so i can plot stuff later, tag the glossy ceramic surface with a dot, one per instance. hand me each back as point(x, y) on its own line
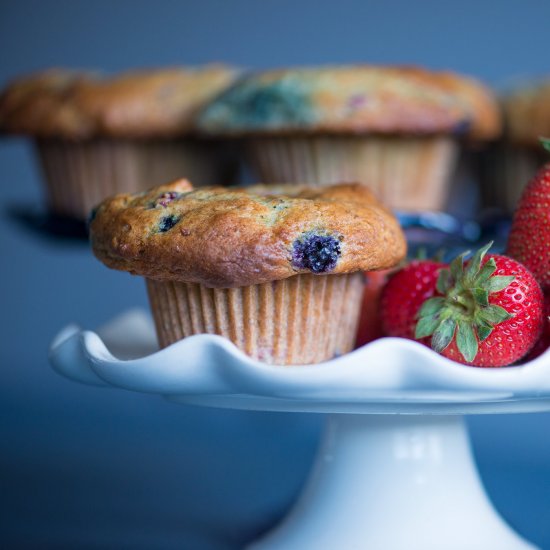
point(390, 375)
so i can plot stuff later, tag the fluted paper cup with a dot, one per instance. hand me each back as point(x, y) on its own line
point(504, 171)
point(79, 175)
point(296, 321)
point(406, 173)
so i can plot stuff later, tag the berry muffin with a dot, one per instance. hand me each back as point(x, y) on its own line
point(395, 129)
point(507, 166)
point(97, 135)
point(276, 269)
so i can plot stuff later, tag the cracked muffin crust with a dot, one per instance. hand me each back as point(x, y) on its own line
point(227, 238)
point(61, 103)
point(354, 99)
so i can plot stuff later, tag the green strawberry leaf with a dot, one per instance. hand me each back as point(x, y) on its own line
point(457, 266)
point(426, 326)
point(466, 341)
point(443, 335)
point(475, 263)
point(489, 267)
point(493, 315)
point(421, 253)
point(481, 296)
point(430, 307)
point(545, 142)
point(444, 281)
point(498, 282)
point(483, 330)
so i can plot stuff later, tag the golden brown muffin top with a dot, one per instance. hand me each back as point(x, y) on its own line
point(354, 99)
point(222, 237)
point(60, 103)
point(527, 113)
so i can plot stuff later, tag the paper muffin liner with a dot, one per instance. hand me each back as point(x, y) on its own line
point(296, 321)
point(79, 175)
point(504, 170)
point(406, 173)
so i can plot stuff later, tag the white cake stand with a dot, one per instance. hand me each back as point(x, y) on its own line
point(395, 470)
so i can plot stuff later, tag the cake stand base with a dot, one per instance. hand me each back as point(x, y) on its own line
point(391, 482)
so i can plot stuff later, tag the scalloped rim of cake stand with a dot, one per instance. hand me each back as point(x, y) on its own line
point(389, 375)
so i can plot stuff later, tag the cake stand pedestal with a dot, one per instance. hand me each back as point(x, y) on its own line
point(394, 482)
point(395, 470)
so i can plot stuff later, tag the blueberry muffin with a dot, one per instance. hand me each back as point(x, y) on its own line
point(276, 269)
point(512, 161)
point(96, 135)
point(395, 129)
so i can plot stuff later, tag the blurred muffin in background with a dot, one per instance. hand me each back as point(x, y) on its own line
point(277, 269)
point(97, 135)
point(396, 129)
point(507, 166)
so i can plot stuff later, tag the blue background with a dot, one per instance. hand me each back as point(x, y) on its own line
point(89, 468)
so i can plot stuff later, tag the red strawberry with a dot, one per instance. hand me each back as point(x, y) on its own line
point(405, 293)
point(369, 319)
point(489, 314)
point(529, 240)
point(543, 343)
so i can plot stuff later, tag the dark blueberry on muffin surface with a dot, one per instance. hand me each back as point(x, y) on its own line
point(166, 198)
point(462, 128)
point(167, 222)
point(317, 253)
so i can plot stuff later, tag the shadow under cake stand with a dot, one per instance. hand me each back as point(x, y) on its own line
point(395, 469)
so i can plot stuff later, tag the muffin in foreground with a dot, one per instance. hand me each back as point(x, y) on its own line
point(276, 269)
point(512, 161)
point(96, 135)
point(393, 128)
